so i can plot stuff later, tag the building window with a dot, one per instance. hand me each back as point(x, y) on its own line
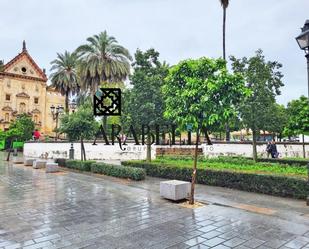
point(36, 100)
point(22, 107)
point(36, 119)
point(7, 117)
point(7, 97)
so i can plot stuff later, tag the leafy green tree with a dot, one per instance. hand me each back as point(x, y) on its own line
point(298, 119)
point(144, 103)
point(22, 128)
point(80, 125)
point(103, 60)
point(264, 79)
point(65, 77)
point(201, 92)
point(276, 120)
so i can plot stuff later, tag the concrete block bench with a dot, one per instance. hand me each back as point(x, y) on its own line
point(29, 161)
point(52, 167)
point(39, 164)
point(18, 160)
point(175, 190)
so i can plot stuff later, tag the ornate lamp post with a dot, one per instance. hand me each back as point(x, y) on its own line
point(56, 111)
point(73, 105)
point(303, 42)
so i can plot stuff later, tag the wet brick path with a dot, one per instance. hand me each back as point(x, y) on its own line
point(71, 210)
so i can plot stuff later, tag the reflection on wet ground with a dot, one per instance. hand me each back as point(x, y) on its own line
point(72, 210)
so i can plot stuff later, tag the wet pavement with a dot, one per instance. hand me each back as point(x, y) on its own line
point(73, 210)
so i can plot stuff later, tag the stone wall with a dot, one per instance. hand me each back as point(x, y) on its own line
point(135, 152)
point(95, 152)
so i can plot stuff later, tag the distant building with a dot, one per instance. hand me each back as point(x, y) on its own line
point(23, 89)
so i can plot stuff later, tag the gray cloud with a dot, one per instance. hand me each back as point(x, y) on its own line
point(178, 29)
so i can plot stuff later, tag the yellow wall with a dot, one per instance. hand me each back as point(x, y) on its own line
point(32, 88)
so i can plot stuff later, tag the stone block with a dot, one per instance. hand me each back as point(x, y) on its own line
point(29, 161)
point(52, 167)
point(175, 190)
point(18, 160)
point(39, 164)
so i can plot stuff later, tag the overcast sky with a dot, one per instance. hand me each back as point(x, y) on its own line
point(178, 29)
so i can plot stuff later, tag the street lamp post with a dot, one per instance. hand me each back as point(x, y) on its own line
point(303, 42)
point(56, 111)
point(73, 105)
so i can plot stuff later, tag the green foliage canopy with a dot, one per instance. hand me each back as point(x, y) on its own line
point(202, 92)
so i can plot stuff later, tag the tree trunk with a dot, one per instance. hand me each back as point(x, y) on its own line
point(191, 202)
point(148, 144)
point(105, 123)
point(66, 102)
point(304, 149)
point(254, 145)
point(84, 152)
point(9, 154)
point(81, 150)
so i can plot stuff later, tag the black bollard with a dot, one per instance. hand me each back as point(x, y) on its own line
point(71, 152)
point(307, 200)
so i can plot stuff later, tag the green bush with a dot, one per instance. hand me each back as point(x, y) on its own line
point(260, 183)
point(79, 165)
point(119, 171)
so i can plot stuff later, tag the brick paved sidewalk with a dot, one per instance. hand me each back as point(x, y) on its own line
point(73, 210)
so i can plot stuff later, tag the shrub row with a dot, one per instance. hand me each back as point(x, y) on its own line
point(136, 174)
point(259, 183)
point(79, 165)
point(107, 169)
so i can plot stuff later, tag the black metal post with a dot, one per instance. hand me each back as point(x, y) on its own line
point(71, 152)
point(307, 56)
point(308, 185)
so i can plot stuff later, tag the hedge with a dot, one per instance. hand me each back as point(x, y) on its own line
point(259, 183)
point(79, 165)
point(106, 169)
point(119, 171)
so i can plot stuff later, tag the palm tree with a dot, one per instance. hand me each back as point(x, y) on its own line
point(65, 77)
point(224, 4)
point(103, 60)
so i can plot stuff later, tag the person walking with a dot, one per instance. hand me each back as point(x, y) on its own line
point(36, 134)
point(273, 150)
point(268, 149)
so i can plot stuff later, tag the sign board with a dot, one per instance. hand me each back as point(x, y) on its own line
point(17, 145)
point(2, 144)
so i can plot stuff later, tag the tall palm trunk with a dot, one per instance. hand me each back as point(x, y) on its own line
point(67, 101)
point(224, 21)
point(227, 128)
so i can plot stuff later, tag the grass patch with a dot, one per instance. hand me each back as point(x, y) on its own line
point(241, 165)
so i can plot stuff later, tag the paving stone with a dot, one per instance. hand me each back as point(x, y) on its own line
point(234, 242)
point(213, 242)
point(74, 210)
point(194, 241)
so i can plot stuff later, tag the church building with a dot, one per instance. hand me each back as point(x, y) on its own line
point(24, 89)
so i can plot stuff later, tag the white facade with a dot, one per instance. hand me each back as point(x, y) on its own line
point(138, 152)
